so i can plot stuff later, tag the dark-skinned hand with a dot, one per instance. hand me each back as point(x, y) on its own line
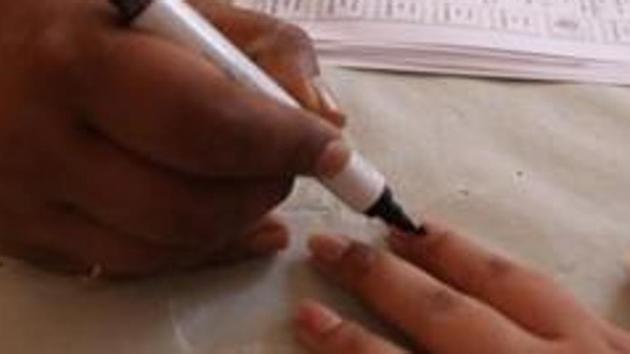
point(125, 154)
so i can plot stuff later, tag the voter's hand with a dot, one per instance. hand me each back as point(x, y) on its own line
point(124, 154)
point(449, 296)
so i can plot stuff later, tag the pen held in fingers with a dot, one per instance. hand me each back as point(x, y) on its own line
point(358, 183)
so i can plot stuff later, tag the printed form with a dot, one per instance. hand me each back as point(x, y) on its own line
point(577, 40)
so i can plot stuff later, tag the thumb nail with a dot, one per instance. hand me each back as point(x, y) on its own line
point(328, 102)
point(326, 96)
point(335, 156)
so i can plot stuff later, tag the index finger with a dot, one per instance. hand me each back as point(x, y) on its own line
point(522, 294)
point(435, 315)
point(283, 50)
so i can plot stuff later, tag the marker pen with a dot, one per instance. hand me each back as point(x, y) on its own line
point(359, 185)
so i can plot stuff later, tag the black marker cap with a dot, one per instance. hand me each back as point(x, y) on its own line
point(387, 209)
point(129, 9)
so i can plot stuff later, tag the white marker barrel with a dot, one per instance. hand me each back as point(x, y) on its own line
point(359, 184)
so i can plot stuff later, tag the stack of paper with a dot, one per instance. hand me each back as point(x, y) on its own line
point(567, 40)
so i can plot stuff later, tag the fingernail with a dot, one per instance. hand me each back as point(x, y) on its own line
point(316, 319)
point(312, 98)
point(269, 241)
point(328, 249)
point(329, 102)
point(335, 156)
point(326, 95)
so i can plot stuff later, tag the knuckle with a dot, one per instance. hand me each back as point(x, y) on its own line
point(294, 36)
point(502, 269)
point(358, 262)
point(442, 301)
point(494, 270)
point(283, 39)
point(499, 267)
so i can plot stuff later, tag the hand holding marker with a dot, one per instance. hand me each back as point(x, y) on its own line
point(358, 184)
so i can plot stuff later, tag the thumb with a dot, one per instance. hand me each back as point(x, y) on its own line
point(283, 140)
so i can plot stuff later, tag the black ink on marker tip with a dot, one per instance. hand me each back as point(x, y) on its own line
point(387, 209)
